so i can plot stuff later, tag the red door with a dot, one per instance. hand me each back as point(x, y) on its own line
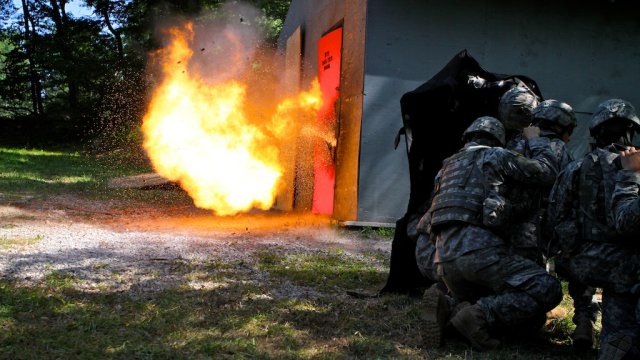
point(329, 50)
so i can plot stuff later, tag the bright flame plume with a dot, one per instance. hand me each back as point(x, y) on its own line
point(226, 153)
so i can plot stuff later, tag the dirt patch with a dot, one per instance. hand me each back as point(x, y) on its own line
point(108, 245)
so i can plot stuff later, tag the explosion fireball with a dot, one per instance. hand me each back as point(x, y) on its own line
point(225, 151)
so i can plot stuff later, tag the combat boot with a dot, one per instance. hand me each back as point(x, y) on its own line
point(435, 316)
point(471, 323)
point(454, 308)
point(583, 334)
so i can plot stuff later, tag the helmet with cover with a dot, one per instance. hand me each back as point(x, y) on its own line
point(487, 125)
point(516, 105)
point(614, 119)
point(554, 112)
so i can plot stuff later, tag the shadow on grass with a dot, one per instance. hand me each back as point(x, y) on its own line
point(270, 305)
point(232, 322)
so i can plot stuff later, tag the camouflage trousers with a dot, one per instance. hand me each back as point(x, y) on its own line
point(620, 336)
point(605, 265)
point(425, 255)
point(616, 269)
point(511, 290)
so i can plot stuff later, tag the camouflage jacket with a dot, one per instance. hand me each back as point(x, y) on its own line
point(500, 169)
point(625, 203)
point(579, 203)
point(531, 199)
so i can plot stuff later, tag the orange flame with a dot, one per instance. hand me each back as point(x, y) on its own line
point(204, 136)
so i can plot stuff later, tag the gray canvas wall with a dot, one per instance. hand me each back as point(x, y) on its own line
point(581, 52)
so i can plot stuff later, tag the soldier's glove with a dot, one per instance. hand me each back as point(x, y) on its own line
point(494, 212)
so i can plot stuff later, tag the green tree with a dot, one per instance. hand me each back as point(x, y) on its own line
point(66, 78)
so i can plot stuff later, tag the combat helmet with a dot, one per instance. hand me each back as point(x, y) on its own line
point(554, 112)
point(488, 125)
point(611, 109)
point(514, 109)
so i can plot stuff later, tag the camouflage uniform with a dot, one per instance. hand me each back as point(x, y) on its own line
point(425, 249)
point(475, 263)
point(523, 231)
point(588, 244)
point(519, 108)
point(625, 207)
point(626, 203)
point(515, 109)
point(525, 234)
point(425, 257)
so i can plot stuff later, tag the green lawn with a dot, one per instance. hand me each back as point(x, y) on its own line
point(28, 173)
point(38, 170)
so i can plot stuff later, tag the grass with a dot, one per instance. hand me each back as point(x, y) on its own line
point(8, 242)
point(35, 170)
point(281, 305)
point(323, 271)
point(371, 232)
point(238, 320)
point(241, 318)
point(27, 173)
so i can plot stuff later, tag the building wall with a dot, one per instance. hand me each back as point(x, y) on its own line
point(581, 52)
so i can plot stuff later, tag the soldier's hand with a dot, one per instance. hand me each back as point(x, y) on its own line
point(531, 132)
point(630, 159)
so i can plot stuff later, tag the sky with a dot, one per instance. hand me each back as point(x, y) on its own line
point(73, 7)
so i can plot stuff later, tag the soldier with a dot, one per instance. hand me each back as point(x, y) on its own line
point(498, 287)
point(514, 111)
point(556, 120)
point(626, 195)
point(584, 231)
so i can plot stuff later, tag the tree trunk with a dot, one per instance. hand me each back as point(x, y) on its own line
point(116, 33)
point(59, 17)
point(34, 79)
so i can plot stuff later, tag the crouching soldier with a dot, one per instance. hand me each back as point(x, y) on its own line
point(494, 287)
point(595, 249)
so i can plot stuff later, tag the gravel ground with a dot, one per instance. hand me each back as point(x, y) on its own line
point(111, 246)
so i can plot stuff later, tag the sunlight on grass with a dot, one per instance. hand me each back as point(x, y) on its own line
point(33, 170)
point(28, 173)
point(35, 152)
point(53, 180)
point(6, 242)
point(70, 179)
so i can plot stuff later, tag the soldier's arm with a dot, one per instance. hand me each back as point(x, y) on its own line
point(625, 202)
point(545, 154)
point(538, 170)
point(501, 167)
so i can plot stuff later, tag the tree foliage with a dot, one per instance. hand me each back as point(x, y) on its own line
point(67, 78)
